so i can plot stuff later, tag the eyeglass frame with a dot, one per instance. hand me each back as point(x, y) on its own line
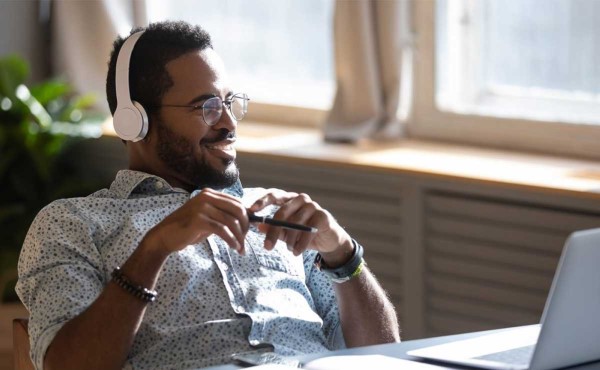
point(226, 102)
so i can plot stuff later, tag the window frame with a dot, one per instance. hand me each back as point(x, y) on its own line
point(271, 112)
point(288, 115)
point(428, 121)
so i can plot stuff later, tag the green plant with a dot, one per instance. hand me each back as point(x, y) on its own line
point(37, 126)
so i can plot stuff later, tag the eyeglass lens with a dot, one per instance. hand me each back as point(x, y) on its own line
point(213, 108)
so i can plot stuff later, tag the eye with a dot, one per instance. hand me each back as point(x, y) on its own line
point(212, 104)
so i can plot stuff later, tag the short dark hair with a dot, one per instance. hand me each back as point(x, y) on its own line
point(148, 77)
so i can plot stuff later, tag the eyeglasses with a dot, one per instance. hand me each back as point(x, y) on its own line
point(212, 108)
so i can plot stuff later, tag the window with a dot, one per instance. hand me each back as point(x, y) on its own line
point(279, 52)
point(512, 73)
point(508, 58)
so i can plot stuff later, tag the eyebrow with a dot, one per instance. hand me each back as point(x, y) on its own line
point(207, 96)
point(200, 98)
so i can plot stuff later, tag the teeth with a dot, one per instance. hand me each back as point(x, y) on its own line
point(220, 147)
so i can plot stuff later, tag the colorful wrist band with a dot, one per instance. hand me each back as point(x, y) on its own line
point(350, 269)
point(138, 291)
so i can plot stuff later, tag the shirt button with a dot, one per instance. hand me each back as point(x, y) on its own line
point(241, 309)
point(159, 185)
point(225, 267)
point(254, 342)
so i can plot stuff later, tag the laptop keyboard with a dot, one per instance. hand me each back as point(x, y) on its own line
point(515, 356)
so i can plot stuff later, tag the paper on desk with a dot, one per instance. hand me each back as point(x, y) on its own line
point(378, 362)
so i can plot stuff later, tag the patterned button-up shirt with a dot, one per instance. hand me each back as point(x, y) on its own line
point(212, 302)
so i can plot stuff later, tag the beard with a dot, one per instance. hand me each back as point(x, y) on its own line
point(178, 154)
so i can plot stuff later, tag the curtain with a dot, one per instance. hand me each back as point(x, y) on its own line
point(83, 33)
point(369, 38)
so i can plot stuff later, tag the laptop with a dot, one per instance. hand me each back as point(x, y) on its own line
point(569, 332)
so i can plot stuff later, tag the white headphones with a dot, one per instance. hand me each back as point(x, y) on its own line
point(130, 119)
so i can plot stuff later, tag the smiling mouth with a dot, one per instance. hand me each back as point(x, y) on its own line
point(222, 146)
point(223, 149)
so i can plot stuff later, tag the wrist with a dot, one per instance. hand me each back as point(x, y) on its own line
point(143, 266)
point(153, 248)
point(340, 256)
point(347, 271)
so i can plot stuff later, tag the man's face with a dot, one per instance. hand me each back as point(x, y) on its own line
point(192, 153)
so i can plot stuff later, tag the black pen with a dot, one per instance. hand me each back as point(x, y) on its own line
point(287, 225)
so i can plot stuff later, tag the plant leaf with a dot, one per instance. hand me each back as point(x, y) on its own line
point(50, 90)
point(73, 111)
point(13, 72)
point(84, 101)
point(34, 138)
point(38, 112)
point(82, 130)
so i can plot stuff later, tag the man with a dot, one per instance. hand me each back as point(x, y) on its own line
point(91, 267)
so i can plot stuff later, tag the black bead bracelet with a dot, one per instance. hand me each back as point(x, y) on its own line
point(138, 291)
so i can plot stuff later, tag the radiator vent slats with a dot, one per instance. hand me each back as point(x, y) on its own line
point(489, 263)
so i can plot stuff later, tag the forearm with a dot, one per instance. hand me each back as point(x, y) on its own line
point(367, 316)
point(101, 336)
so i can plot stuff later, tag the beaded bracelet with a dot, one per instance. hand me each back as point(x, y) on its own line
point(138, 291)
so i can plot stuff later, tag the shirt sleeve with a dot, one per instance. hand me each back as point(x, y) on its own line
point(60, 273)
point(321, 289)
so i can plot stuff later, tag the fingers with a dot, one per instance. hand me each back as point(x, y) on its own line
point(227, 204)
point(229, 228)
point(224, 216)
point(225, 233)
point(305, 239)
point(272, 197)
point(300, 209)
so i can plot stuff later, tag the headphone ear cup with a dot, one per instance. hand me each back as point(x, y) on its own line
point(144, 119)
point(130, 119)
point(131, 122)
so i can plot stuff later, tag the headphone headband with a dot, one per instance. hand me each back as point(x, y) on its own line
point(122, 73)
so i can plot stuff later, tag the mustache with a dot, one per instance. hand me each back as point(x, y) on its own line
point(223, 134)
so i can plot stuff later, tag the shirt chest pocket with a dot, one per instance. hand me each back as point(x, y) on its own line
point(276, 258)
point(273, 261)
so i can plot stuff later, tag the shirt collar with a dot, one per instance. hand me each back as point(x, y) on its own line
point(128, 182)
point(237, 190)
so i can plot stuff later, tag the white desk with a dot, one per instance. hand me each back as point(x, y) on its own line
point(399, 350)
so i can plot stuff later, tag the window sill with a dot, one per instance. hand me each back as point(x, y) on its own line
point(427, 158)
point(510, 169)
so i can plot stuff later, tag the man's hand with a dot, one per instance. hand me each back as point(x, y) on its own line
point(366, 314)
point(210, 212)
point(332, 241)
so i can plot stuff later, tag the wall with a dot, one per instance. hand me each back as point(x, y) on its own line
point(23, 30)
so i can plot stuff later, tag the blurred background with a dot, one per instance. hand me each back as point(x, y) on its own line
point(458, 140)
